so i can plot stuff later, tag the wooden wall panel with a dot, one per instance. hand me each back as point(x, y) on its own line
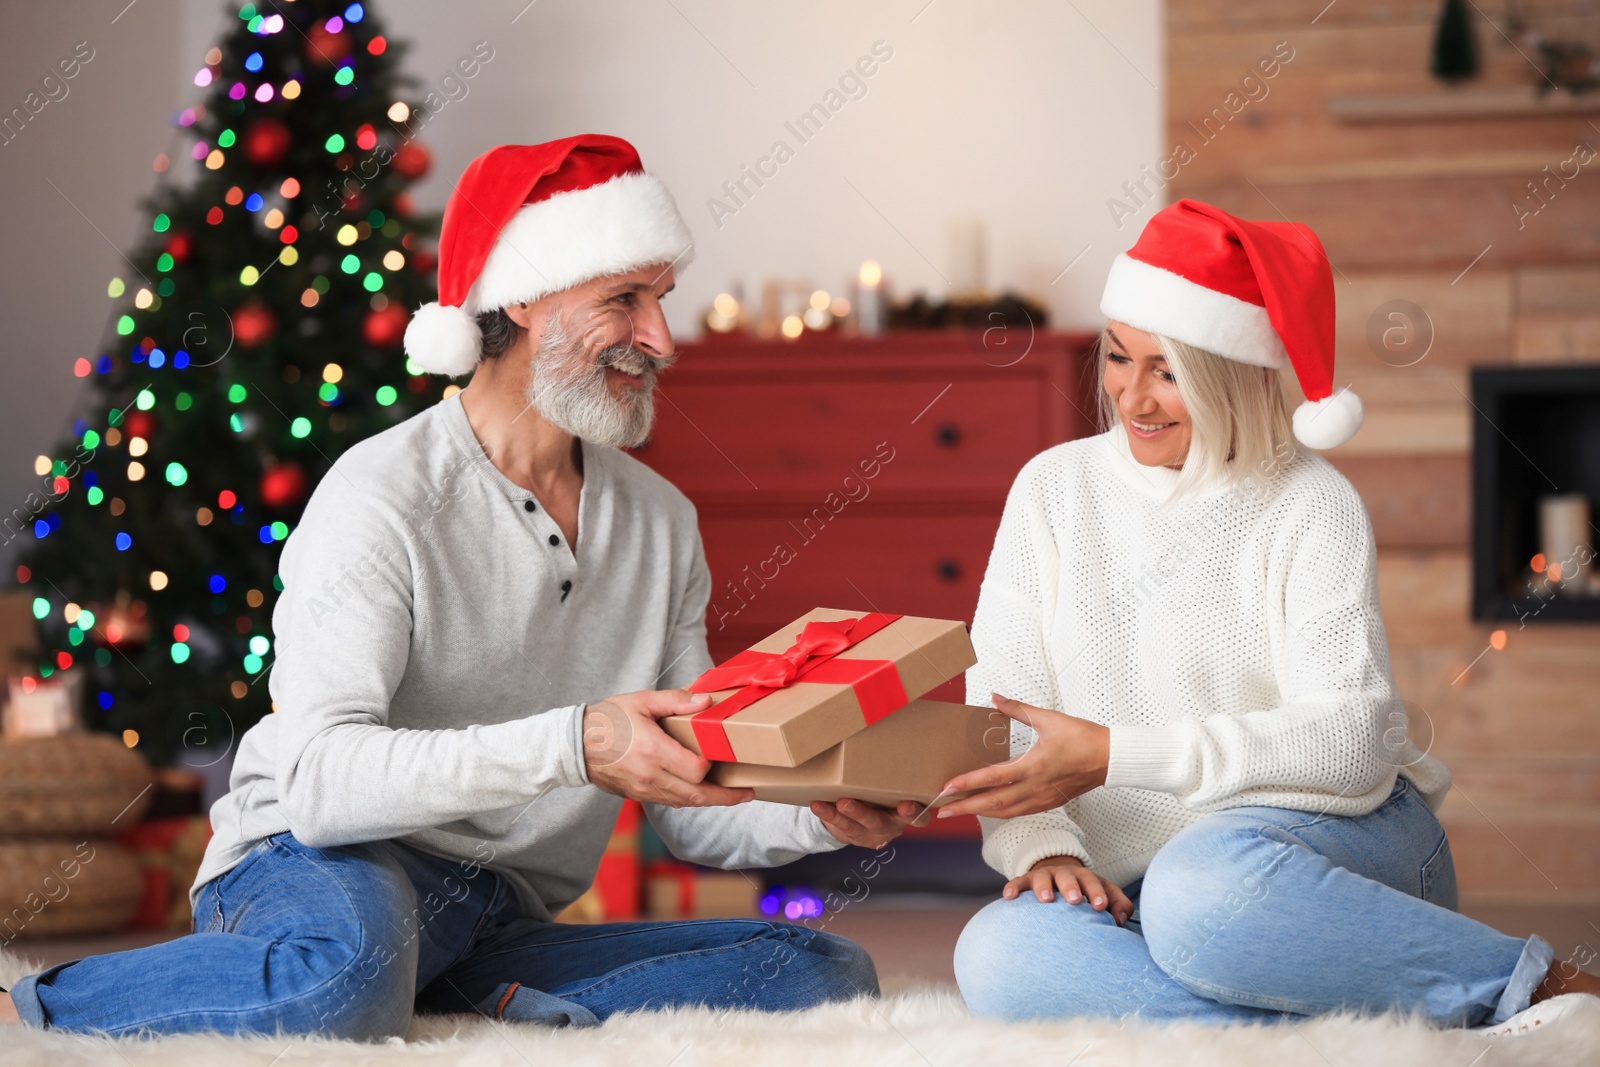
point(1558, 314)
point(1469, 321)
point(1443, 224)
point(1189, 16)
point(1280, 127)
point(1523, 858)
point(1414, 501)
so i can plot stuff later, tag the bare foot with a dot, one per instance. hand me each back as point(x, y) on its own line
point(1565, 978)
point(8, 1010)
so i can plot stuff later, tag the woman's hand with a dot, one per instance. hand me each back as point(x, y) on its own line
point(1076, 883)
point(1068, 759)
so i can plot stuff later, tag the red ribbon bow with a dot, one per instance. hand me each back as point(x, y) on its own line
point(876, 683)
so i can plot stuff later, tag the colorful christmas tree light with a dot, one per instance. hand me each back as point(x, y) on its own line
point(290, 250)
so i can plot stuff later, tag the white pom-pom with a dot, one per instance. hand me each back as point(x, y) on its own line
point(1329, 422)
point(443, 339)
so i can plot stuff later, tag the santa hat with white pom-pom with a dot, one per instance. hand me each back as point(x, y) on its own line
point(1256, 292)
point(528, 220)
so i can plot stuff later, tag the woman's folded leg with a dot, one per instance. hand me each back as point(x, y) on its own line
point(1023, 959)
point(1306, 913)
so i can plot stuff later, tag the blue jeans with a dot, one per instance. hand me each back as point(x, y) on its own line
point(348, 942)
point(1262, 914)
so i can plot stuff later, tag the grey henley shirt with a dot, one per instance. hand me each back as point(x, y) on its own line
point(435, 643)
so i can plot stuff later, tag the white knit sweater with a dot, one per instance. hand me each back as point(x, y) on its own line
point(1230, 639)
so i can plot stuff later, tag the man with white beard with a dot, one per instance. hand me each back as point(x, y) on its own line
point(444, 765)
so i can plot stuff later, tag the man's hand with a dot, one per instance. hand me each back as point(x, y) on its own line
point(856, 822)
point(1076, 883)
point(1069, 758)
point(626, 752)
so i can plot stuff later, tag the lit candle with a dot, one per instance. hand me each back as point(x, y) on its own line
point(1563, 533)
point(869, 299)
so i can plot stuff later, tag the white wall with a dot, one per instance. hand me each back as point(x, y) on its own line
point(1026, 114)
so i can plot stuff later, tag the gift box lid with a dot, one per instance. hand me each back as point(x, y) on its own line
point(833, 692)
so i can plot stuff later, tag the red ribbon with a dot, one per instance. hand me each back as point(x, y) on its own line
point(876, 682)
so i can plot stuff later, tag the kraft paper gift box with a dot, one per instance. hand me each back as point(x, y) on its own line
point(827, 675)
point(909, 755)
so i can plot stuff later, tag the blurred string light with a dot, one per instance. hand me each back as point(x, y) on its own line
point(799, 902)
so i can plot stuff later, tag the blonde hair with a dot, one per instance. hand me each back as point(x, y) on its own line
point(1239, 422)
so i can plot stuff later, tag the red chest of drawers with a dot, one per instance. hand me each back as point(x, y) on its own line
point(857, 472)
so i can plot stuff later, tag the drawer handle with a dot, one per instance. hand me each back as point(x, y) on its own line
point(948, 569)
point(948, 435)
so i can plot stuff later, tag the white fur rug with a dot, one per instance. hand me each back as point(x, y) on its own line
point(916, 1028)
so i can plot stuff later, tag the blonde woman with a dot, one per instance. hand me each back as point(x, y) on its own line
point(1220, 816)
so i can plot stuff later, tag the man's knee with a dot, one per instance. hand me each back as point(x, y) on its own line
point(793, 966)
point(847, 966)
point(359, 982)
point(366, 992)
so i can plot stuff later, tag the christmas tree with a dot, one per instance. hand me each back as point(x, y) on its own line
point(255, 335)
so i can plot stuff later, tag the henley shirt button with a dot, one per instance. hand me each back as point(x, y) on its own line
point(554, 540)
point(566, 587)
point(528, 505)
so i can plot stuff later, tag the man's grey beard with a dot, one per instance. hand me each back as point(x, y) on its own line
point(570, 390)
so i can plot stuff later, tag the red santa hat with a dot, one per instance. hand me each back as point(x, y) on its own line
point(1257, 292)
point(528, 220)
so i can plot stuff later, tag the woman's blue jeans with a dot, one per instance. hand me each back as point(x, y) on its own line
point(347, 942)
point(1262, 914)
